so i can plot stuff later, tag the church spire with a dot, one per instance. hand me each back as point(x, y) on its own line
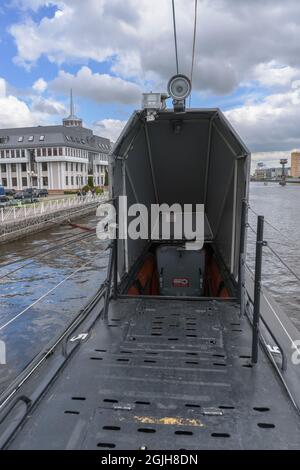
point(72, 120)
point(72, 109)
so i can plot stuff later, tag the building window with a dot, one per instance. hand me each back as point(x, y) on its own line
point(72, 180)
point(31, 138)
point(23, 153)
point(67, 181)
point(14, 182)
point(4, 140)
point(2, 154)
point(18, 154)
point(45, 181)
point(44, 151)
point(24, 182)
point(55, 152)
point(67, 166)
point(42, 138)
point(72, 166)
point(24, 167)
point(20, 139)
point(39, 153)
point(60, 151)
point(3, 168)
point(13, 154)
point(7, 154)
point(44, 166)
point(49, 152)
point(13, 169)
point(76, 166)
point(4, 182)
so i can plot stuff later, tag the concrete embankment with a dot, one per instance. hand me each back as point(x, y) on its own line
point(15, 229)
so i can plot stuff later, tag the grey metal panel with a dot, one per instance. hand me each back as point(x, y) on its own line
point(223, 237)
point(179, 160)
point(181, 271)
point(220, 178)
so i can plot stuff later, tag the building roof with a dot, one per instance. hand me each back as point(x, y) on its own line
point(41, 136)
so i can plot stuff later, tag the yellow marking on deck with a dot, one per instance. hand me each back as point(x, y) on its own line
point(169, 421)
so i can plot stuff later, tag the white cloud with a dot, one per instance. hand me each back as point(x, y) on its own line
point(110, 128)
point(48, 106)
point(13, 112)
point(241, 42)
point(233, 38)
point(102, 88)
point(272, 123)
point(40, 86)
point(273, 74)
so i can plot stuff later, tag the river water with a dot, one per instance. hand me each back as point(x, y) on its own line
point(84, 259)
point(281, 208)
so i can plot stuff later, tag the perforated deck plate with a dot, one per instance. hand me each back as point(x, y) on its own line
point(165, 375)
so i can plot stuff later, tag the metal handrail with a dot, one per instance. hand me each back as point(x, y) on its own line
point(47, 207)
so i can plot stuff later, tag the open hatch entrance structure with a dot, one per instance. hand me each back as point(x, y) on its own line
point(183, 158)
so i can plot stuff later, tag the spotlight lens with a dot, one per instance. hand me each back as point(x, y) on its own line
point(179, 87)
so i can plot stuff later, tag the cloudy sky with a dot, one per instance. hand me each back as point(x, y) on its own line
point(109, 51)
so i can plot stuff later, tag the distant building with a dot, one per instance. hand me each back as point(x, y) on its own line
point(270, 173)
point(295, 168)
point(57, 158)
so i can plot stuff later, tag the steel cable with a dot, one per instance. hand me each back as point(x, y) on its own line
point(267, 245)
point(194, 47)
point(175, 35)
point(45, 295)
point(283, 262)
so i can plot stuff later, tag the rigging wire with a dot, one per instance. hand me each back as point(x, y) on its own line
point(267, 222)
point(175, 35)
point(283, 262)
point(194, 47)
point(45, 295)
point(277, 255)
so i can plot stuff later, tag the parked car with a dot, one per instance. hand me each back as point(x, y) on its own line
point(19, 195)
point(4, 200)
point(23, 195)
point(10, 192)
point(41, 193)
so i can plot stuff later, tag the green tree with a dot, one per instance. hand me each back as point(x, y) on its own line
point(90, 181)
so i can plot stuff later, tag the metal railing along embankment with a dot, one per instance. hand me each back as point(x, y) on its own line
point(21, 213)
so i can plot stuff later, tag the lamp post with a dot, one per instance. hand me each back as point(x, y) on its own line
point(31, 175)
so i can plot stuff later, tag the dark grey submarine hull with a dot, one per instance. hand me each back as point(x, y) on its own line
point(141, 370)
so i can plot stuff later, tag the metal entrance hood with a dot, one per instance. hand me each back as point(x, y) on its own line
point(194, 157)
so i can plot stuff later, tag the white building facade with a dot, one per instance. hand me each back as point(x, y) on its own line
point(57, 158)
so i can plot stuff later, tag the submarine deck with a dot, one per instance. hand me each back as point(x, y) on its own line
point(164, 375)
